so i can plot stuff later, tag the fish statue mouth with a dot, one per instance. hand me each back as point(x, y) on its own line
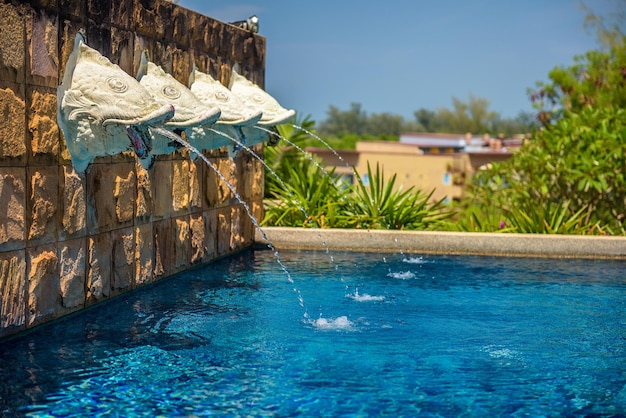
point(102, 110)
point(255, 98)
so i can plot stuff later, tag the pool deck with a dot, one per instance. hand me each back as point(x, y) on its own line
point(426, 242)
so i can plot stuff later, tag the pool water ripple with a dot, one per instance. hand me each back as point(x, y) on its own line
point(462, 336)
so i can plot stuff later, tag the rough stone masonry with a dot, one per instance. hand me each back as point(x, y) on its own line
point(68, 241)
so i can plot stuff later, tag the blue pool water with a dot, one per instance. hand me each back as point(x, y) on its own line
point(393, 335)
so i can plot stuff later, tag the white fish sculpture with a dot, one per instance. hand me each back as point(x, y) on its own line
point(102, 110)
point(255, 98)
point(192, 116)
point(234, 116)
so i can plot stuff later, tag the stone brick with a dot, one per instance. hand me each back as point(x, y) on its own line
point(42, 205)
point(73, 205)
point(13, 127)
point(42, 37)
point(196, 172)
point(44, 290)
point(162, 189)
point(210, 187)
point(72, 8)
point(199, 32)
point(146, 20)
point(122, 50)
point(43, 128)
point(12, 43)
point(121, 12)
point(68, 29)
point(111, 196)
point(197, 239)
point(181, 20)
point(182, 243)
point(13, 292)
point(12, 208)
point(237, 213)
point(210, 228)
point(99, 11)
point(182, 65)
point(223, 231)
point(98, 267)
point(163, 248)
point(180, 187)
point(144, 254)
point(123, 260)
point(72, 263)
point(226, 167)
point(144, 207)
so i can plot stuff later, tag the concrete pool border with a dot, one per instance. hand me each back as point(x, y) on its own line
point(428, 242)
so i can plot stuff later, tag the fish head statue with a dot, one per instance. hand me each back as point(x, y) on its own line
point(228, 129)
point(102, 110)
point(255, 98)
point(191, 116)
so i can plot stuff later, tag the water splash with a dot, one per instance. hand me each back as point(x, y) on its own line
point(174, 137)
point(340, 323)
point(403, 275)
point(365, 297)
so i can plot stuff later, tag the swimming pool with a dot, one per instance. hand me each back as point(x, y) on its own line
point(400, 335)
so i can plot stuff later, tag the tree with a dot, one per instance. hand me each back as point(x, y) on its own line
point(340, 122)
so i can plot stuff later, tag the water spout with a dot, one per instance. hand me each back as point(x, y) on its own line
point(102, 110)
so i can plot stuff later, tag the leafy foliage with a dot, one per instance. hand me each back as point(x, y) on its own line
point(577, 166)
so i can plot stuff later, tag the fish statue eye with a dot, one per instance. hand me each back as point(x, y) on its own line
point(116, 85)
point(171, 92)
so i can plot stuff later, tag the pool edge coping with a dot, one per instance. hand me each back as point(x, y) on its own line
point(431, 242)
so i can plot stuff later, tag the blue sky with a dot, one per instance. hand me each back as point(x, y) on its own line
point(398, 56)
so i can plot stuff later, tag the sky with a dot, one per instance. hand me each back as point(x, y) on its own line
point(397, 56)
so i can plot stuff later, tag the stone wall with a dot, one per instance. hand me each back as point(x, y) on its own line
point(68, 241)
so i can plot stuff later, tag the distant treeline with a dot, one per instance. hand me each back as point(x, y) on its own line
point(472, 116)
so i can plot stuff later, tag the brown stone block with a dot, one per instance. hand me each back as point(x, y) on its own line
point(180, 186)
point(145, 200)
point(123, 260)
point(69, 29)
point(210, 228)
point(182, 65)
point(49, 5)
point(12, 42)
point(12, 208)
point(44, 289)
point(42, 205)
point(146, 20)
point(121, 11)
point(73, 205)
point(42, 126)
point(13, 127)
point(257, 181)
point(180, 23)
point(258, 210)
point(72, 8)
point(237, 215)
point(144, 254)
point(163, 248)
point(196, 175)
point(197, 239)
point(72, 274)
point(99, 38)
point(162, 172)
point(199, 33)
point(99, 11)
point(13, 292)
point(182, 243)
point(42, 34)
point(228, 183)
point(122, 50)
point(111, 196)
point(210, 187)
point(223, 231)
point(99, 266)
